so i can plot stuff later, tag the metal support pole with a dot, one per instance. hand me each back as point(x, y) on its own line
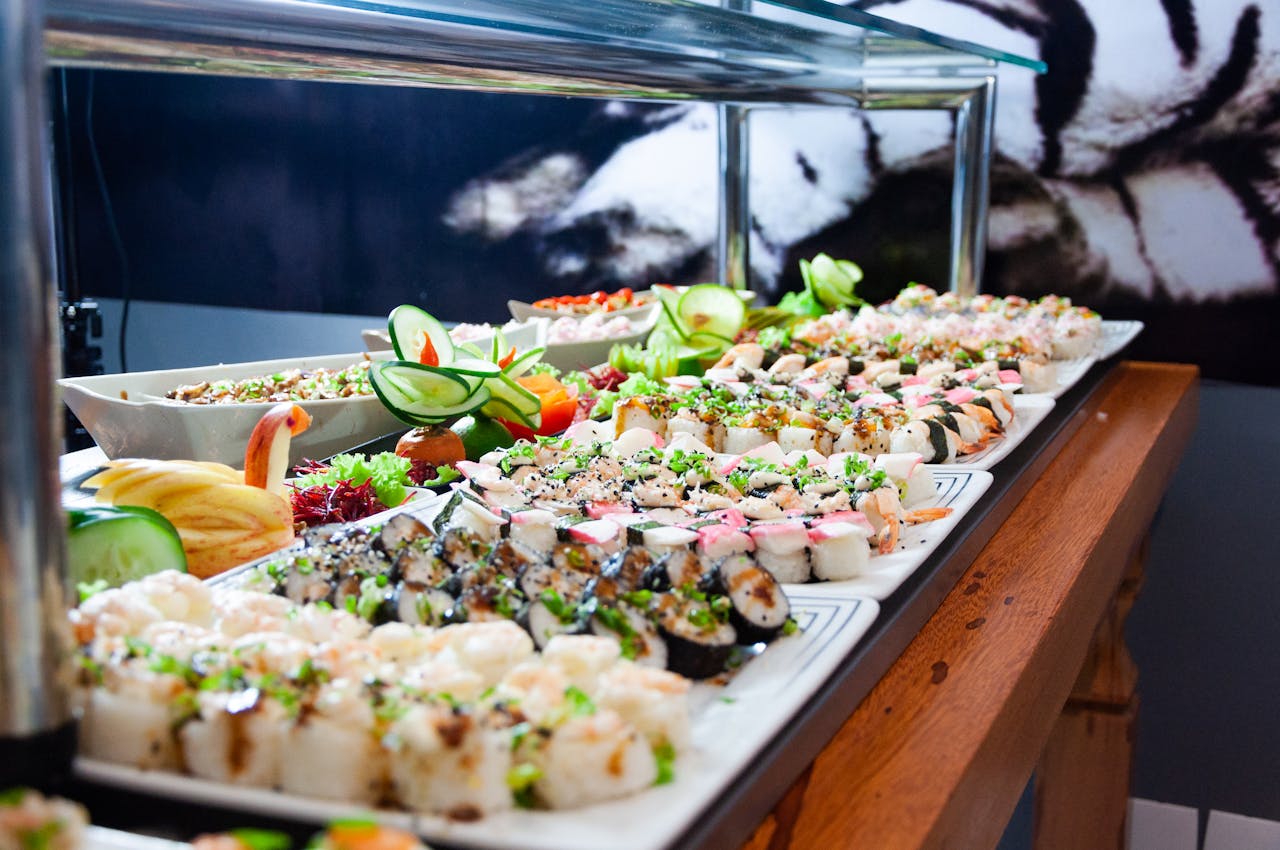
point(733, 221)
point(972, 100)
point(36, 734)
point(733, 233)
point(970, 194)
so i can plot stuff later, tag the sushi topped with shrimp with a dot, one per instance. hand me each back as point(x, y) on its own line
point(734, 409)
point(464, 720)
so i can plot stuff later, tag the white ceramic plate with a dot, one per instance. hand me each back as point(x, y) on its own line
point(1028, 412)
point(101, 838)
point(590, 353)
point(957, 489)
point(1116, 335)
point(128, 416)
point(524, 310)
point(732, 723)
point(523, 335)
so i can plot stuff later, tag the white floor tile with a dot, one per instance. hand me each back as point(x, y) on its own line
point(1162, 826)
point(1237, 832)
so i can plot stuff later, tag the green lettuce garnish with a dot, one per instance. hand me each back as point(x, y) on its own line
point(388, 472)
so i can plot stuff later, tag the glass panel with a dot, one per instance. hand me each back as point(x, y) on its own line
point(783, 51)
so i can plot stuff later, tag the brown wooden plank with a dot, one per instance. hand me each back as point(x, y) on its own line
point(940, 750)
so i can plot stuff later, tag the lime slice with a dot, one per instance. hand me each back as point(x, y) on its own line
point(481, 435)
point(711, 308)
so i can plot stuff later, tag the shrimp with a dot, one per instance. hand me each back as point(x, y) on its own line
point(787, 364)
point(836, 368)
point(983, 415)
point(747, 355)
point(925, 515)
point(884, 511)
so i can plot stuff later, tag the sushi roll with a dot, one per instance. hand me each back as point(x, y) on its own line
point(460, 548)
point(613, 616)
point(401, 530)
point(306, 579)
point(718, 540)
point(333, 748)
point(237, 737)
point(588, 759)
point(656, 702)
point(490, 649)
point(444, 761)
point(31, 821)
point(839, 551)
point(760, 608)
point(782, 548)
point(795, 438)
point(650, 414)
point(628, 567)
point(681, 569)
point(913, 477)
point(741, 439)
point(129, 718)
point(685, 422)
point(698, 635)
point(662, 539)
point(533, 528)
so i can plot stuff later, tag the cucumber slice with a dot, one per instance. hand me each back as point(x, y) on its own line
point(708, 341)
point(711, 308)
point(422, 392)
point(664, 337)
point(475, 367)
point(524, 362)
point(470, 349)
point(408, 325)
point(500, 408)
point(669, 300)
point(121, 544)
point(506, 389)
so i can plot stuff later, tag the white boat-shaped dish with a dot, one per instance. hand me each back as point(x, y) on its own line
point(128, 415)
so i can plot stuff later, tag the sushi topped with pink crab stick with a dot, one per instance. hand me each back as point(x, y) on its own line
point(680, 494)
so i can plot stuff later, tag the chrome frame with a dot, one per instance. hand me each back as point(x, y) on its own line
point(33, 695)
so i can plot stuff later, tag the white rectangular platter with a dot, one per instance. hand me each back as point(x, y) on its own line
point(731, 725)
point(1028, 412)
point(1116, 335)
point(1069, 374)
point(958, 489)
point(100, 838)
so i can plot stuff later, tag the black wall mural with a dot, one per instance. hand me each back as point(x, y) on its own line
point(1141, 175)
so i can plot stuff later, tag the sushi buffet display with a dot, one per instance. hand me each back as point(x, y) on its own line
point(545, 616)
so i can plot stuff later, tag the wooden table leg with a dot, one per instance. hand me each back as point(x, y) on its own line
point(1082, 779)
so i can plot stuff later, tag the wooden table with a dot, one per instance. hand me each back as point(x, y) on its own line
point(1023, 666)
